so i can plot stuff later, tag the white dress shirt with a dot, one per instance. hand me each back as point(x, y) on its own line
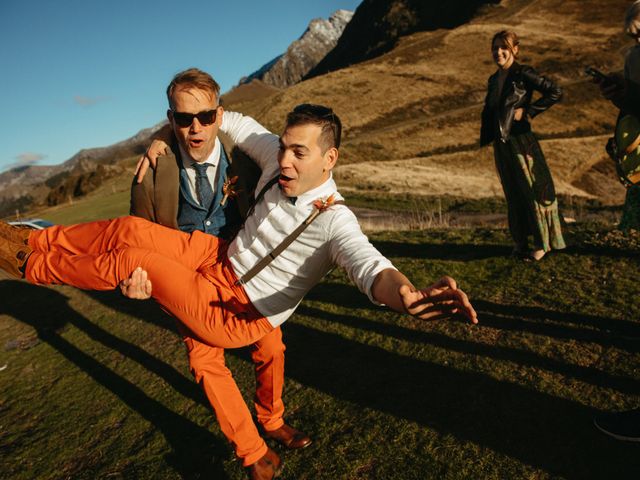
point(334, 238)
point(212, 171)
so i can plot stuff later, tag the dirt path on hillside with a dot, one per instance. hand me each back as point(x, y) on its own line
point(372, 220)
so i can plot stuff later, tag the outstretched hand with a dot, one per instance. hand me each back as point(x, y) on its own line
point(440, 300)
point(138, 286)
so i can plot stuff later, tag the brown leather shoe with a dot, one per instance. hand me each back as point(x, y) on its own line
point(268, 467)
point(15, 234)
point(289, 437)
point(13, 257)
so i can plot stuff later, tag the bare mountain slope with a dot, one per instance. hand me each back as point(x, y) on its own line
point(377, 25)
point(23, 188)
point(424, 98)
point(248, 93)
point(411, 115)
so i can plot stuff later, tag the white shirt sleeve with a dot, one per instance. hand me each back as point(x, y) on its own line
point(252, 138)
point(351, 250)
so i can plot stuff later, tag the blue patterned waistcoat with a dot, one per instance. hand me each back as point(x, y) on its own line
point(214, 219)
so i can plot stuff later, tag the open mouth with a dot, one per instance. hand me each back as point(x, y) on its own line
point(285, 181)
point(195, 142)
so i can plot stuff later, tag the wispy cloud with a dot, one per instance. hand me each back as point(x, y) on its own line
point(88, 101)
point(25, 159)
point(29, 158)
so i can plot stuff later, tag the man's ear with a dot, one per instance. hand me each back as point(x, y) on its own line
point(170, 116)
point(331, 157)
point(219, 115)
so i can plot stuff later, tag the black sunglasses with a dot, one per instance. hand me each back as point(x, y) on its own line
point(186, 119)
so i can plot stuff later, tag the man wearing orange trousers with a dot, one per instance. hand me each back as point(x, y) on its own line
point(176, 197)
point(229, 295)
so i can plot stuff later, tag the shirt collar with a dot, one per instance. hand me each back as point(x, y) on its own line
point(212, 159)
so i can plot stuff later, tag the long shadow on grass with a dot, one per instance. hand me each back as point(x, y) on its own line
point(195, 449)
point(623, 334)
point(462, 252)
point(150, 312)
point(442, 251)
point(602, 251)
point(554, 434)
point(529, 359)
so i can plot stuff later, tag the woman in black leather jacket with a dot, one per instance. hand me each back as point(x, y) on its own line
point(524, 174)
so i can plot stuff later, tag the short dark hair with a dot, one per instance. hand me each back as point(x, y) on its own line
point(322, 116)
point(193, 78)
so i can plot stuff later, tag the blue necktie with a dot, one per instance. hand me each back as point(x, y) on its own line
point(203, 187)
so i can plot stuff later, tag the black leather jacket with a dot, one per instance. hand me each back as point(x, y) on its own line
point(498, 115)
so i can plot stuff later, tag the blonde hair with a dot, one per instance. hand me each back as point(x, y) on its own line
point(632, 19)
point(511, 40)
point(193, 78)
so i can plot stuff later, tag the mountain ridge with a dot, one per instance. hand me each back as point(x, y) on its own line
point(320, 37)
point(411, 115)
point(364, 39)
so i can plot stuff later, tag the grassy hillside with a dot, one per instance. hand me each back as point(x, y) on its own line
point(110, 200)
point(421, 102)
point(412, 115)
point(96, 386)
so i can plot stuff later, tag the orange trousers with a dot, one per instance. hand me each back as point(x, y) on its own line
point(192, 280)
point(208, 367)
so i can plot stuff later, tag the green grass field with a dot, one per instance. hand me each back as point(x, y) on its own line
point(97, 386)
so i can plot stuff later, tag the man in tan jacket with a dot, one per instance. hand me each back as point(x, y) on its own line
point(198, 187)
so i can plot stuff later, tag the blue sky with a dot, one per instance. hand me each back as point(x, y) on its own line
point(88, 73)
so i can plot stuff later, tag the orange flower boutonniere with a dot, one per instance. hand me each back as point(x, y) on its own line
point(320, 206)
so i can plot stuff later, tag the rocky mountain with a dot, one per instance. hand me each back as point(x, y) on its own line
point(411, 115)
point(320, 37)
point(134, 145)
point(377, 25)
point(22, 187)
